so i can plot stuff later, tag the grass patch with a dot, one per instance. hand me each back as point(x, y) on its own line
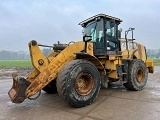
point(156, 62)
point(27, 63)
point(15, 63)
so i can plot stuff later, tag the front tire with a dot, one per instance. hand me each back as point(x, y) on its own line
point(137, 75)
point(51, 87)
point(79, 83)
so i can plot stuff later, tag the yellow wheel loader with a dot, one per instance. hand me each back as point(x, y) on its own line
point(78, 70)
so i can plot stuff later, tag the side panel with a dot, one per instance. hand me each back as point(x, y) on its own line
point(135, 50)
point(139, 52)
point(111, 66)
point(142, 52)
point(92, 59)
point(150, 65)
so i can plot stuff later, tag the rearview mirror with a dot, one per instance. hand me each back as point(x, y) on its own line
point(87, 38)
point(83, 33)
point(120, 30)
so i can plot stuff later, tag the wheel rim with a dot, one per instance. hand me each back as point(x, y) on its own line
point(84, 83)
point(140, 75)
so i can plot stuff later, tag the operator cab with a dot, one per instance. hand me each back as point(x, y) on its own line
point(103, 30)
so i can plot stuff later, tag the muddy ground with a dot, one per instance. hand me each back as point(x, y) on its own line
point(114, 103)
point(7, 72)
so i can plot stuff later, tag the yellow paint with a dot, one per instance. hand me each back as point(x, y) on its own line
point(43, 74)
point(150, 65)
point(36, 55)
point(113, 74)
point(50, 72)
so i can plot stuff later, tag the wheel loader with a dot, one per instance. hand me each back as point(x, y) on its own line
point(78, 70)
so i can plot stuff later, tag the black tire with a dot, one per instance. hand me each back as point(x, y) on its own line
point(51, 87)
point(78, 83)
point(137, 75)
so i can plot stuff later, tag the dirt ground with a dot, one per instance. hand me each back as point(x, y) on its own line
point(7, 72)
point(114, 103)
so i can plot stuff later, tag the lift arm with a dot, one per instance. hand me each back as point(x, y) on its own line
point(45, 71)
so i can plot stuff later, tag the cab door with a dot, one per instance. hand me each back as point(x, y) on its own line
point(98, 39)
point(111, 37)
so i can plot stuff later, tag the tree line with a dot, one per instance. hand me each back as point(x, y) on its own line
point(153, 53)
point(20, 55)
point(23, 55)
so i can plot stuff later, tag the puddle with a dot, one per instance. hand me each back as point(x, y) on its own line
point(155, 93)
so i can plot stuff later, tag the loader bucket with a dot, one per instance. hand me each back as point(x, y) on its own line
point(17, 92)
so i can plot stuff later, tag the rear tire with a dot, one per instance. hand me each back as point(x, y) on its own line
point(137, 75)
point(79, 83)
point(51, 87)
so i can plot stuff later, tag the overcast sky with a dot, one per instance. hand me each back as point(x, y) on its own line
point(49, 21)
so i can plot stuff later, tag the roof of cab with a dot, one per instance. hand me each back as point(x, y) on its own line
point(99, 15)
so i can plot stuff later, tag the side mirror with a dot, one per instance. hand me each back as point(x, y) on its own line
point(120, 30)
point(83, 33)
point(87, 38)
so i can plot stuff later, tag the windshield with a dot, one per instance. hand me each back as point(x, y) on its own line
point(89, 30)
point(95, 30)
